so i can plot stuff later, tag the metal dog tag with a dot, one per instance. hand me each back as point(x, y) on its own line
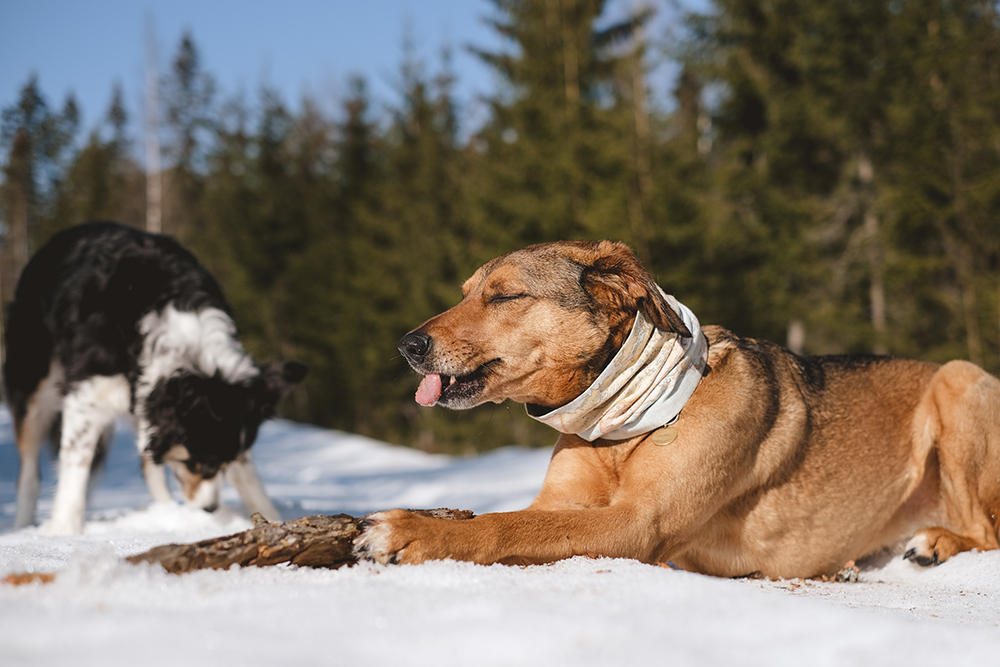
point(664, 436)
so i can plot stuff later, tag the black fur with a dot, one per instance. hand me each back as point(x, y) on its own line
point(80, 301)
point(814, 370)
point(214, 419)
point(81, 296)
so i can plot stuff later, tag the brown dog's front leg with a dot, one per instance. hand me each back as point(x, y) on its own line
point(525, 537)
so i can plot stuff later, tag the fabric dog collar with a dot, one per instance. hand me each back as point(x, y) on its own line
point(644, 387)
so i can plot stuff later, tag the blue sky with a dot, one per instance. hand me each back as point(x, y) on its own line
point(296, 46)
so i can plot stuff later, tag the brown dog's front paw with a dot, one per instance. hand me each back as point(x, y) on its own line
point(376, 539)
point(390, 537)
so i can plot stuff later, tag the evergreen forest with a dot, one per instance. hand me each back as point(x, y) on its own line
point(823, 173)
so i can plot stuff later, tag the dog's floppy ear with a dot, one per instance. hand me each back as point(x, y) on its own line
point(277, 379)
point(616, 279)
point(284, 375)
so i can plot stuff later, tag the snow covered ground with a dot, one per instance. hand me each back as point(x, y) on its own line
point(578, 612)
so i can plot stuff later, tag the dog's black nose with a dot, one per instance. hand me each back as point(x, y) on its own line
point(415, 345)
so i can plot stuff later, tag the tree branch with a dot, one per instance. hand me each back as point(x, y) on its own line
point(311, 541)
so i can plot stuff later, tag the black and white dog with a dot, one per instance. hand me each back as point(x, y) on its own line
point(108, 321)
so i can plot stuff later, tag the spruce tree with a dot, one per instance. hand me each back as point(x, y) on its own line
point(36, 143)
point(188, 93)
point(102, 180)
point(797, 164)
point(944, 127)
point(549, 164)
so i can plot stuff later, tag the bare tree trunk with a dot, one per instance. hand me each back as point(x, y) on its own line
point(970, 310)
point(877, 286)
point(873, 253)
point(960, 237)
point(964, 252)
point(154, 195)
point(796, 337)
point(639, 202)
point(571, 66)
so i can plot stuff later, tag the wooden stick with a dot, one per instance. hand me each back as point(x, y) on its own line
point(312, 541)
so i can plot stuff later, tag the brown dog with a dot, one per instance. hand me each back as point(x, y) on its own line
point(779, 464)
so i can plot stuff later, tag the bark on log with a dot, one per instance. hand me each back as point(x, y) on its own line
point(312, 541)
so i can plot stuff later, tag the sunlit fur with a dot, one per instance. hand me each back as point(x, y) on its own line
point(782, 465)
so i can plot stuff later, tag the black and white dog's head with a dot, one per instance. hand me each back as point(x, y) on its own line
point(199, 398)
point(198, 424)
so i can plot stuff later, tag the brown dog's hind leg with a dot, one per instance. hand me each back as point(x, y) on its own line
point(962, 408)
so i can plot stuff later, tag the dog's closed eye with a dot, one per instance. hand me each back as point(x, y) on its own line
point(504, 298)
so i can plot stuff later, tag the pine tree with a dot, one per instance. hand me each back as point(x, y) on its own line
point(945, 131)
point(188, 99)
point(102, 181)
point(334, 283)
point(549, 161)
point(251, 217)
point(859, 139)
point(225, 241)
point(684, 254)
point(798, 165)
point(37, 143)
point(433, 252)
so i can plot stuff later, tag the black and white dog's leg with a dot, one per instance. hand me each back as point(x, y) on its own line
point(88, 410)
point(156, 480)
point(29, 444)
point(243, 475)
point(32, 429)
point(155, 473)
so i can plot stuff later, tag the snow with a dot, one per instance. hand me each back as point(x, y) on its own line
point(579, 612)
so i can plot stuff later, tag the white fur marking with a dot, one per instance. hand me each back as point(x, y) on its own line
point(203, 342)
point(373, 542)
point(88, 410)
point(156, 480)
point(206, 494)
point(918, 543)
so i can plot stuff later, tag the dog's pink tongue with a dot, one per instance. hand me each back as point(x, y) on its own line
point(429, 390)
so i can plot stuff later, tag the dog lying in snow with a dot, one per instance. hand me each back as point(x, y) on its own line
point(109, 321)
point(725, 455)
